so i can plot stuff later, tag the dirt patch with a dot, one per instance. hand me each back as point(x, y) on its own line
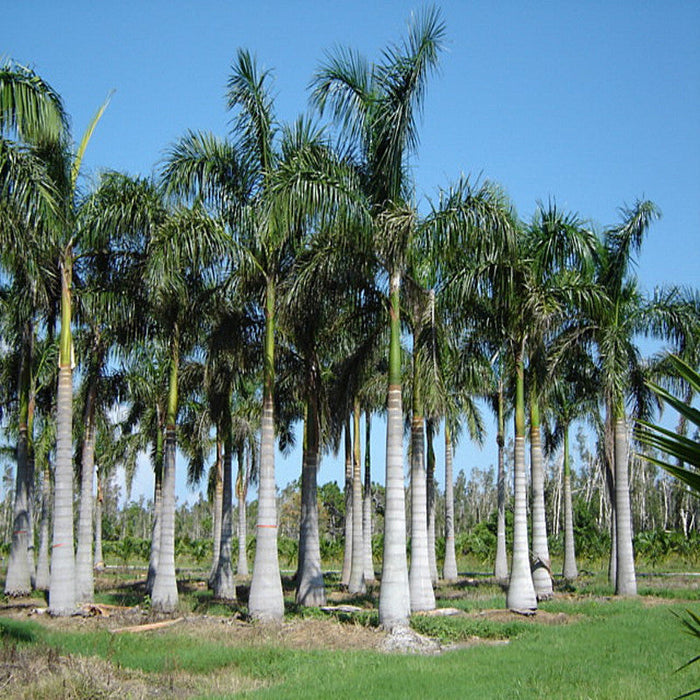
point(541, 617)
point(306, 634)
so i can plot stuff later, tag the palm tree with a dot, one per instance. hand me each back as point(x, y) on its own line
point(571, 395)
point(32, 122)
point(108, 313)
point(562, 252)
point(183, 259)
point(28, 101)
point(146, 376)
point(266, 194)
point(618, 319)
point(377, 106)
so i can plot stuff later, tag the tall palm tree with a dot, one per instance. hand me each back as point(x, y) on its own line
point(572, 395)
point(183, 264)
point(265, 190)
point(377, 106)
point(107, 312)
point(562, 251)
point(32, 122)
point(67, 241)
point(622, 315)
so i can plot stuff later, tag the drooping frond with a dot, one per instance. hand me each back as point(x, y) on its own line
point(29, 106)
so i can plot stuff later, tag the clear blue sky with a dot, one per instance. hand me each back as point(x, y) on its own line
point(592, 103)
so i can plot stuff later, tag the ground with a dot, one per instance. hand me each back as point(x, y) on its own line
point(42, 671)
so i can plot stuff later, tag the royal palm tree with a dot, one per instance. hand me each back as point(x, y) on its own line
point(27, 100)
point(265, 190)
point(571, 395)
point(32, 122)
point(108, 313)
point(618, 320)
point(183, 263)
point(377, 106)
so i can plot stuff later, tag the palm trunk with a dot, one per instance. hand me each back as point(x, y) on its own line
point(367, 504)
point(430, 483)
point(626, 581)
point(570, 569)
point(164, 597)
point(541, 567)
point(347, 535)
point(62, 585)
point(310, 588)
point(610, 485)
point(43, 573)
point(224, 586)
point(521, 595)
point(157, 519)
point(19, 568)
point(266, 601)
point(394, 595)
point(421, 588)
point(449, 570)
point(99, 563)
point(356, 584)
point(85, 582)
point(241, 493)
point(501, 565)
point(218, 507)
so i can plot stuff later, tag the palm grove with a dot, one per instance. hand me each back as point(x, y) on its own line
point(283, 275)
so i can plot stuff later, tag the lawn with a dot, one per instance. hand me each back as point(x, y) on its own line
point(581, 644)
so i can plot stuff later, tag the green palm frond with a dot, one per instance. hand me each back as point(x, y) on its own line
point(29, 106)
point(679, 447)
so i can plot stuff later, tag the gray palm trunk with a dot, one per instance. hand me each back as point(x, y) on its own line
point(62, 581)
point(217, 507)
point(310, 589)
point(394, 591)
point(85, 582)
point(164, 596)
point(98, 560)
point(501, 565)
point(356, 584)
point(241, 492)
point(367, 505)
point(541, 567)
point(266, 601)
point(224, 586)
point(430, 495)
point(570, 570)
point(155, 529)
point(500, 570)
point(449, 569)
point(394, 595)
point(420, 583)
point(347, 535)
point(521, 595)
point(19, 568)
point(43, 572)
point(626, 581)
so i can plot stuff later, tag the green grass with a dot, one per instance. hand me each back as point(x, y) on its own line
point(608, 649)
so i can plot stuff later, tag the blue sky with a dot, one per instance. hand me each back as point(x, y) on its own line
point(594, 104)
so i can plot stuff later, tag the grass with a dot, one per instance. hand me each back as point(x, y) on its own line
point(583, 644)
